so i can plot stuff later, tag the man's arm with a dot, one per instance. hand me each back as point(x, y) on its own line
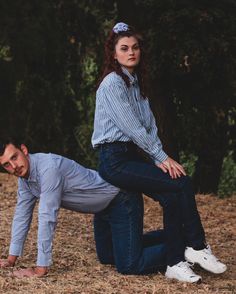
point(51, 184)
point(49, 205)
point(20, 226)
point(21, 221)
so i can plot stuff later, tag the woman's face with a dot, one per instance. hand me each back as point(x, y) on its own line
point(127, 52)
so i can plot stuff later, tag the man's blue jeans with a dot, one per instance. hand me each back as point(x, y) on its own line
point(120, 241)
point(122, 165)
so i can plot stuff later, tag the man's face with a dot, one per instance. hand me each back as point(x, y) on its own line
point(16, 161)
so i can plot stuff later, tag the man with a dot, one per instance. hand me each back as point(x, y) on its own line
point(55, 182)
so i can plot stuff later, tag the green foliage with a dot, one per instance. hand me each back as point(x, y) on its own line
point(86, 154)
point(51, 55)
point(86, 106)
point(5, 53)
point(227, 186)
point(188, 161)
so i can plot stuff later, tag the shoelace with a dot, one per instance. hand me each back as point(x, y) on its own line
point(186, 266)
point(208, 251)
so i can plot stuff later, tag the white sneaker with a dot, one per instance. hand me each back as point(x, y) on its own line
point(205, 259)
point(182, 272)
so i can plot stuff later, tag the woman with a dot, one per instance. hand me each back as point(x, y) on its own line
point(123, 124)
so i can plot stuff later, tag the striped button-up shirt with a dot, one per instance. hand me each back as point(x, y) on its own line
point(56, 182)
point(121, 114)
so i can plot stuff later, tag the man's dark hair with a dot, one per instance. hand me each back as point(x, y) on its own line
point(6, 141)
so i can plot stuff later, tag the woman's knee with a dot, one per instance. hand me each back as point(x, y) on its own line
point(187, 186)
point(184, 182)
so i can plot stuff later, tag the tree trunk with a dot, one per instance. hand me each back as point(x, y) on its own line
point(165, 113)
point(214, 147)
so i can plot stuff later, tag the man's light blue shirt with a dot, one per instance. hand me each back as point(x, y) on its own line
point(56, 182)
point(121, 114)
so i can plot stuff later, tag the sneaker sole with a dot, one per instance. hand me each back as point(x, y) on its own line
point(205, 268)
point(191, 282)
point(202, 266)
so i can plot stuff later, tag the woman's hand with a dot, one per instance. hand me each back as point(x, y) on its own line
point(175, 169)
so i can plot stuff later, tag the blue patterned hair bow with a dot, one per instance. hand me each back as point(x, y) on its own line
point(120, 27)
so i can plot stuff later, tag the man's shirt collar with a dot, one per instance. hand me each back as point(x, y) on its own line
point(32, 175)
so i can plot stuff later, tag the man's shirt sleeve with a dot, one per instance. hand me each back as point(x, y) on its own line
point(117, 106)
point(22, 220)
point(49, 204)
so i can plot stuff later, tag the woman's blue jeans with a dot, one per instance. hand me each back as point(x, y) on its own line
point(122, 165)
point(120, 241)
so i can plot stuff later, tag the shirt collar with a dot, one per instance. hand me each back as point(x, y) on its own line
point(32, 174)
point(133, 78)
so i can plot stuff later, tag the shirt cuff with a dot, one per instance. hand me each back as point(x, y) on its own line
point(44, 259)
point(16, 249)
point(162, 156)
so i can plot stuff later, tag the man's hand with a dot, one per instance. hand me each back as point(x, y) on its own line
point(5, 263)
point(38, 271)
point(10, 261)
point(172, 167)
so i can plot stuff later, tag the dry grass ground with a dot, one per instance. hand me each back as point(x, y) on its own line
point(76, 269)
